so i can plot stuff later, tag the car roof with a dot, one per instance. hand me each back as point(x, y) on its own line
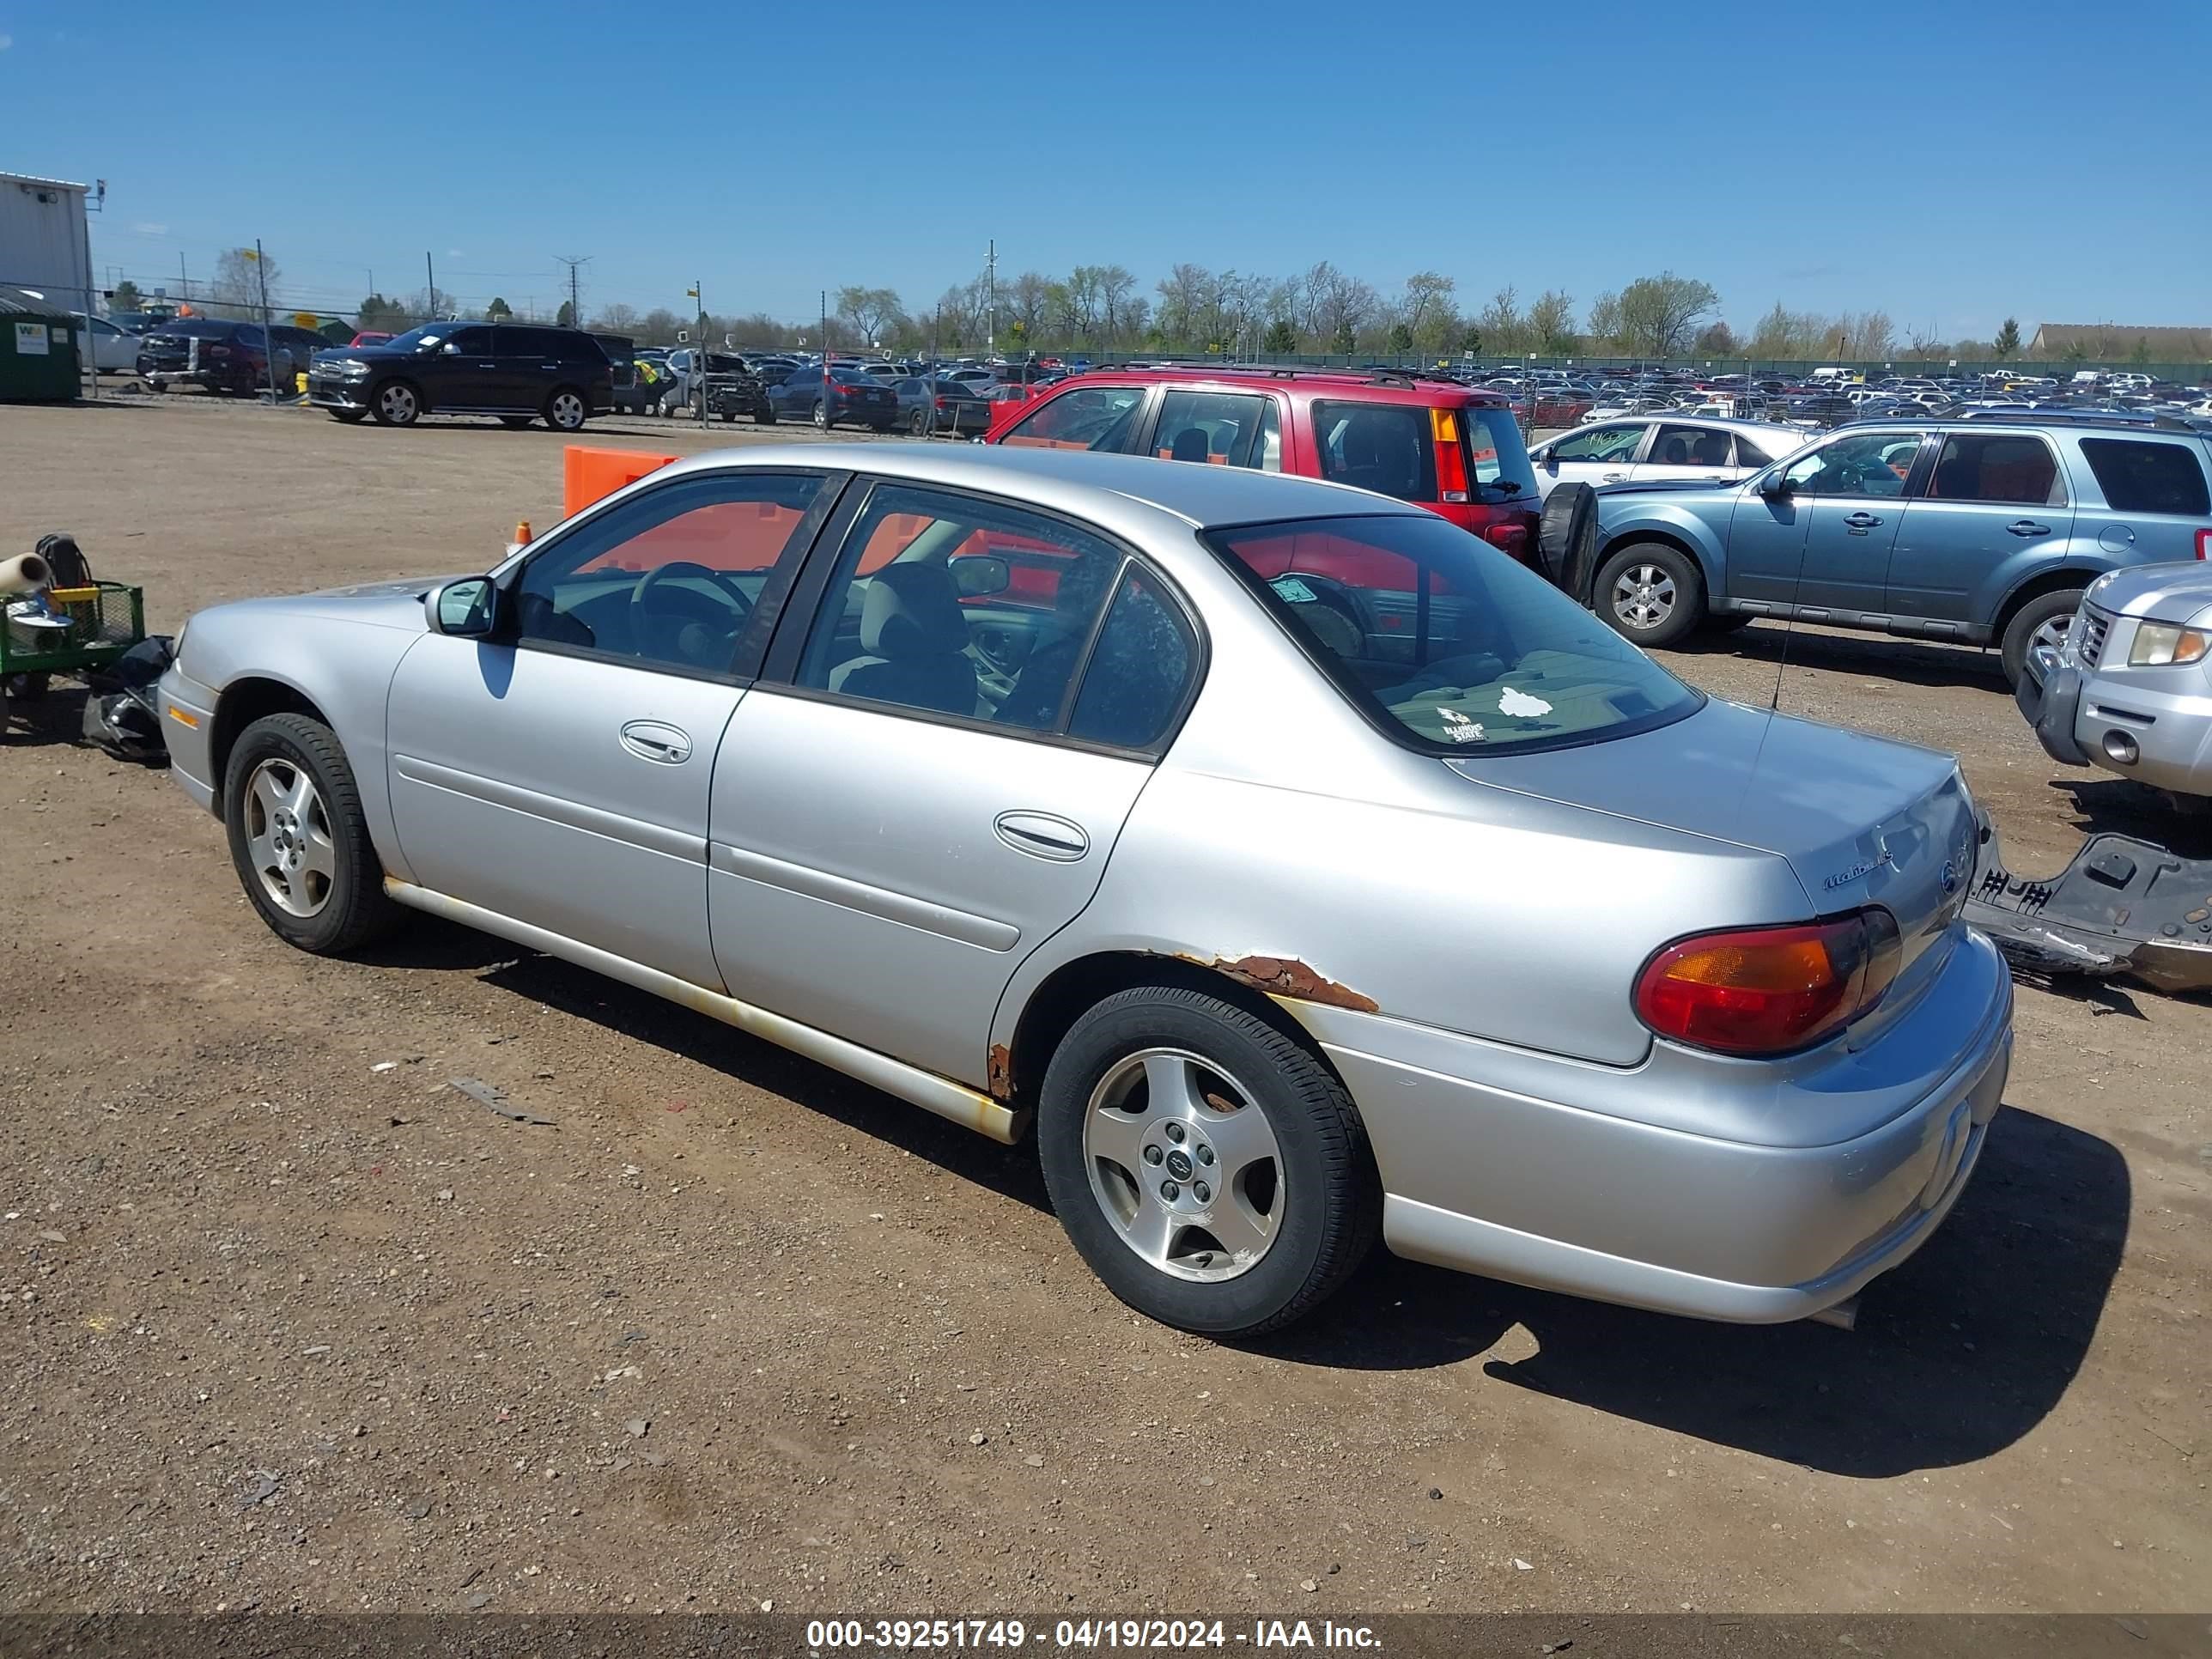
point(1376, 385)
point(1202, 496)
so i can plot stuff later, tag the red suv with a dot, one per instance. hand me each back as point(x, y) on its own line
point(1452, 449)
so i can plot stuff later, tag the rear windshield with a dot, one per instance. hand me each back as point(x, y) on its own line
point(1443, 641)
point(2149, 477)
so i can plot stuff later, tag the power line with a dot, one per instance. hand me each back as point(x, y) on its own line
point(576, 262)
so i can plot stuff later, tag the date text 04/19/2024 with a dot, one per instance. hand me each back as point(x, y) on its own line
point(1083, 1635)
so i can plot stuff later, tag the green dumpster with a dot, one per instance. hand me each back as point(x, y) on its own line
point(38, 349)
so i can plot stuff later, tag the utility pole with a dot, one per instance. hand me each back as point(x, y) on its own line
point(991, 287)
point(431, 299)
point(698, 293)
point(575, 261)
point(184, 283)
point(825, 360)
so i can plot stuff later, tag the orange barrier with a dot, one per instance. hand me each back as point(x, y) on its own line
point(591, 474)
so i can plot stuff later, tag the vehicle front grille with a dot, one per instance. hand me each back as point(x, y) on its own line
point(2092, 627)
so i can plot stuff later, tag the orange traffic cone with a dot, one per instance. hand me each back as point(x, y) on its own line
point(522, 532)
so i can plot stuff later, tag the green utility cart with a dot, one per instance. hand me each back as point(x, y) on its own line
point(66, 631)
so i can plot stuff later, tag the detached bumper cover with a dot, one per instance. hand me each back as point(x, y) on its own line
point(2122, 907)
point(2049, 698)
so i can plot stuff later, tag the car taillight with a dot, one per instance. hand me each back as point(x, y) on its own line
point(2204, 543)
point(941, 404)
point(1507, 538)
point(1769, 990)
point(1451, 460)
point(218, 351)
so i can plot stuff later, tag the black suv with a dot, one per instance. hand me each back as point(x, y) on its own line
point(517, 371)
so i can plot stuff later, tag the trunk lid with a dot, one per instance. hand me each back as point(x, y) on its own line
point(1860, 820)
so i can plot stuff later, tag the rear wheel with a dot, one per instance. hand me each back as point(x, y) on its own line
point(299, 839)
point(918, 424)
point(821, 415)
point(1211, 1171)
point(2042, 620)
point(396, 403)
point(565, 411)
point(1651, 593)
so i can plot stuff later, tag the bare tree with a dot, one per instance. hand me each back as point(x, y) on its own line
point(868, 311)
point(1551, 323)
point(1116, 286)
point(617, 318)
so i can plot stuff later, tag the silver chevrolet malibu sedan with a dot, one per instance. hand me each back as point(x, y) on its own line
point(1309, 871)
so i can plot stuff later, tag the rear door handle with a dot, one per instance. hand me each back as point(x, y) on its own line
point(1042, 835)
point(1861, 520)
point(2028, 527)
point(1615, 478)
point(655, 740)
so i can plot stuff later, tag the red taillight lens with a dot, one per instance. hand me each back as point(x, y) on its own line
point(1769, 990)
point(224, 351)
point(941, 404)
point(2204, 543)
point(1507, 538)
point(1451, 459)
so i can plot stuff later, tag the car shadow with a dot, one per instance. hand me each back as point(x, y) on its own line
point(1958, 1353)
point(430, 943)
point(1910, 662)
point(2122, 806)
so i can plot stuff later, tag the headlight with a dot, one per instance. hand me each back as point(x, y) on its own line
point(2162, 645)
point(352, 368)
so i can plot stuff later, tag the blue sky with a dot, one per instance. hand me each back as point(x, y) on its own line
point(1951, 161)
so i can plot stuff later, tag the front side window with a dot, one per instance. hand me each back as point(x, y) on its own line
point(1085, 417)
point(1387, 447)
point(671, 577)
point(1865, 464)
point(471, 342)
point(2142, 475)
point(2002, 467)
point(1444, 643)
point(1615, 443)
point(1208, 427)
point(952, 605)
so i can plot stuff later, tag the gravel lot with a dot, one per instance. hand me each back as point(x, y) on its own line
point(288, 1324)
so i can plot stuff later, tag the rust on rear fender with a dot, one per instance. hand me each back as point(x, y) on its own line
point(1286, 976)
point(999, 1078)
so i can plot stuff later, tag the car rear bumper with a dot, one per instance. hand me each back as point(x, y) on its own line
point(1546, 1192)
point(2078, 717)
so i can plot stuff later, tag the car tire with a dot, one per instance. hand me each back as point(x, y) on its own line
point(1651, 593)
point(395, 402)
point(309, 813)
point(820, 416)
point(2040, 612)
point(351, 416)
point(1301, 1188)
point(918, 424)
point(565, 409)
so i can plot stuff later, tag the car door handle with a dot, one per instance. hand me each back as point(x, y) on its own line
point(1042, 835)
point(1861, 520)
point(2028, 527)
point(654, 740)
point(1613, 478)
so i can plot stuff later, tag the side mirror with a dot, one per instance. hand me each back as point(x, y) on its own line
point(465, 609)
point(1775, 485)
point(981, 575)
point(449, 350)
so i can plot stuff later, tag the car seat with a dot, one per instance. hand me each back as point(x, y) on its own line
point(916, 636)
point(1677, 454)
point(1191, 443)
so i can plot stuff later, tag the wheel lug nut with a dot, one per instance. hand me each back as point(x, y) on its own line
point(1175, 1132)
point(1151, 1155)
point(1201, 1192)
point(1169, 1191)
point(1204, 1153)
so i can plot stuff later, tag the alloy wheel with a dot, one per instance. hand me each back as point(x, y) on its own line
point(1184, 1165)
point(397, 405)
point(288, 837)
point(1644, 596)
point(567, 411)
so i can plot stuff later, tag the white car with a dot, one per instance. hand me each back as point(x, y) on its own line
point(113, 351)
point(1639, 448)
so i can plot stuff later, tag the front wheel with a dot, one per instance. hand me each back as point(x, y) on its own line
point(565, 411)
point(2042, 620)
point(1211, 1171)
point(396, 403)
point(1651, 593)
point(299, 839)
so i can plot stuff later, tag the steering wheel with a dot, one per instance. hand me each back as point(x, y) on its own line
point(642, 619)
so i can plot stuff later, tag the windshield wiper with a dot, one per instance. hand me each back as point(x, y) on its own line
point(1509, 486)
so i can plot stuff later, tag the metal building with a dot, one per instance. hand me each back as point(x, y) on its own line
point(45, 241)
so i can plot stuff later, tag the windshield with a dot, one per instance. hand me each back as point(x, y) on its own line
point(1441, 639)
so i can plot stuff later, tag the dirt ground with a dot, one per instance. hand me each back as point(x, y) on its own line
point(284, 1329)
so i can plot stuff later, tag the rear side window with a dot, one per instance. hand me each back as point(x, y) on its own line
point(2142, 477)
point(1386, 447)
point(1139, 671)
point(1086, 417)
point(1748, 454)
point(1211, 427)
point(1690, 446)
point(2021, 471)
